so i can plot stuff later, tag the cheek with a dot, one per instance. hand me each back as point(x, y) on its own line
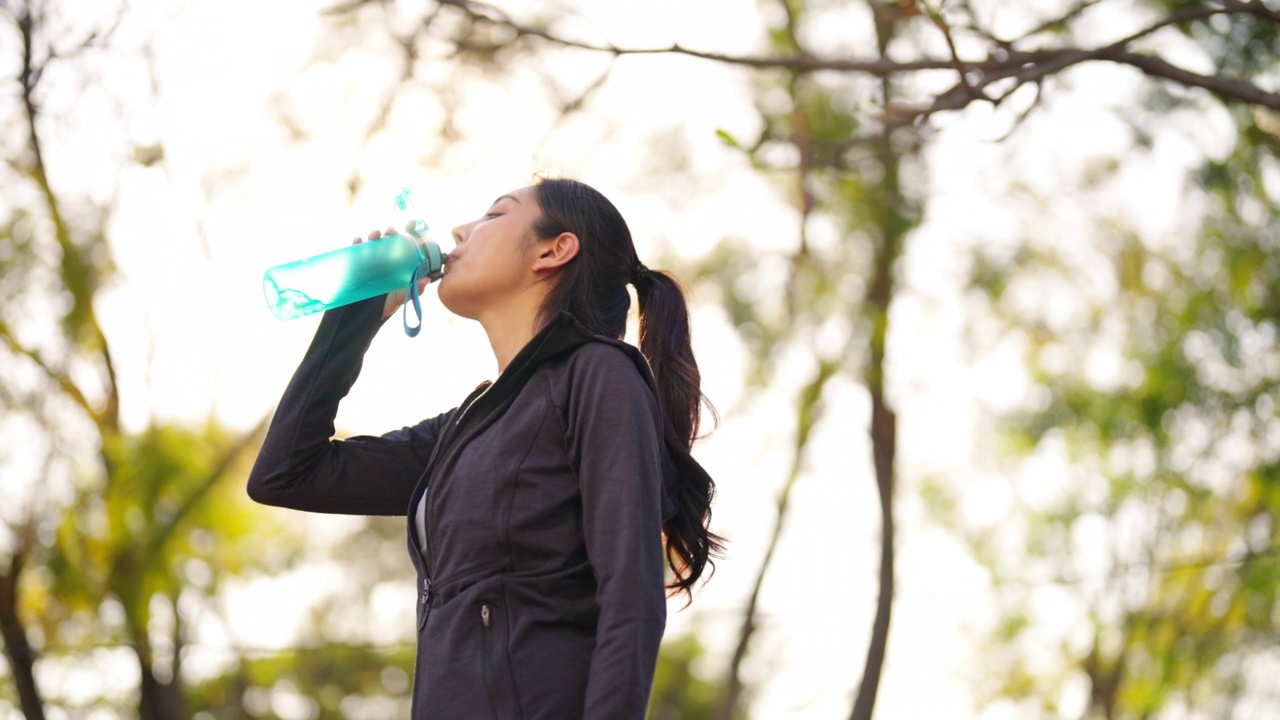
point(484, 276)
point(500, 263)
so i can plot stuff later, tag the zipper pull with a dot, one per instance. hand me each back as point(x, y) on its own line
point(484, 615)
point(425, 600)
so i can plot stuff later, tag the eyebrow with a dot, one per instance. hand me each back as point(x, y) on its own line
point(506, 197)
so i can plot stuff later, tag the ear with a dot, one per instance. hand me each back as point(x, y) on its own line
point(553, 253)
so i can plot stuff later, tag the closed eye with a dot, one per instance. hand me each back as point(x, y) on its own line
point(490, 216)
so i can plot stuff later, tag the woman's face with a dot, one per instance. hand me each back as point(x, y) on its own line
point(491, 265)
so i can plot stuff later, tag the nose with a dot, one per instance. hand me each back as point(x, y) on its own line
point(460, 233)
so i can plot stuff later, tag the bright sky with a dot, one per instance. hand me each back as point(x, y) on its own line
point(192, 335)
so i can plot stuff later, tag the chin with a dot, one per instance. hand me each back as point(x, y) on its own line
point(453, 301)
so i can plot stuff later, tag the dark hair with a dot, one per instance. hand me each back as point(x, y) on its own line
point(593, 288)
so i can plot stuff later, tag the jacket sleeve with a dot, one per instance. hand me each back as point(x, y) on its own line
point(301, 466)
point(615, 443)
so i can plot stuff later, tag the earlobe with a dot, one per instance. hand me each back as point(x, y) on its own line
point(557, 251)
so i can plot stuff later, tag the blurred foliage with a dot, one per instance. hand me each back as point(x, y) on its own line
point(830, 291)
point(338, 680)
point(325, 682)
point(1159, 549)
point(679, 691)
point(842, 147)
point(123, 537)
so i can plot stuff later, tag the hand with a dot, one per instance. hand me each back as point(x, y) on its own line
point(393, 299)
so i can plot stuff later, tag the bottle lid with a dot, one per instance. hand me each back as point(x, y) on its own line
point(408, 216)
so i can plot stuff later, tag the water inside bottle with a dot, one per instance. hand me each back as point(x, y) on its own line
point(288, 303)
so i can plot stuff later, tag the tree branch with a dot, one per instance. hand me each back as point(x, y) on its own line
point(880, 67)
point(1182, 16)
point(154, 546)
point(1022, 116)
point(1035, 66)
point(810, 411)
point(1254, 7)
point(207, 483)
point(1220, 85)
point(72, 264)
point(17, 645)
point(63, 381)
point(1002, 63)
point(1059, 21)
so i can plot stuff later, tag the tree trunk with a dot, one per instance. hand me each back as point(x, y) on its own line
point(732, 692)
point(158, 700)
point(883, 431)
point(810, 409)
point(22, 658)
point(894, 223)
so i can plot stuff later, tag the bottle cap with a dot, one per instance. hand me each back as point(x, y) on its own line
point(408, 216)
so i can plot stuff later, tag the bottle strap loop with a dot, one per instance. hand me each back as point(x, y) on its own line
point(432, 261)
point(415, 299)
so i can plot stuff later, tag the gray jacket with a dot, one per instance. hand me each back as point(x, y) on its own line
point(542, 496)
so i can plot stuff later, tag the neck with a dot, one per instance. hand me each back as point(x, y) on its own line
point(510, 330)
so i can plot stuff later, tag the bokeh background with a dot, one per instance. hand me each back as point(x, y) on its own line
point(985, 293)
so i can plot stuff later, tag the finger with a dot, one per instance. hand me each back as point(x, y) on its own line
point(375, 234)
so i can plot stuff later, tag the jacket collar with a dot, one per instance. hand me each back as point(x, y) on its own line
point(562, 334)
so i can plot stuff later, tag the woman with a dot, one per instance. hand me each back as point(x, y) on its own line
point(540, 510)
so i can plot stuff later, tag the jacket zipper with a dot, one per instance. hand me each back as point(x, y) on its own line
point(426, 497)
point(426, 601)
point(488, 663)
point(471, 404)
point(426, 493)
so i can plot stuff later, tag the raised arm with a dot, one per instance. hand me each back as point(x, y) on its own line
point(301, 466)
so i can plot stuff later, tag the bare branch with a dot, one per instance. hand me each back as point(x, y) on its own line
point(568, 107)
point(812, 411)
point(108, 416)
point(1182, 16)
point(379, 123)
point(1003, 63)
point(935, 16)
point(1220, 85)
point(17, 646)
point(879, 67)
point(1034, 67)
point(1022, 116)
point(1076, 11)
point(96, 38)
point(62, 380)
point(1254, 7)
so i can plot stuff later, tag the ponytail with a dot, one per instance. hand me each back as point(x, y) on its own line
point(665, 341)
point(593, 288)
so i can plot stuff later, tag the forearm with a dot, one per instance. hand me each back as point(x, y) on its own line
point(615, 444)
point(300, 466)
point(622, 666)
point(625, 548)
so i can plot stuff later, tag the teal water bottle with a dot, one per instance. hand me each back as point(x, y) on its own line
point(358, 272)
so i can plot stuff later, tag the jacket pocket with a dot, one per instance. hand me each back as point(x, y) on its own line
point(503, 705)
